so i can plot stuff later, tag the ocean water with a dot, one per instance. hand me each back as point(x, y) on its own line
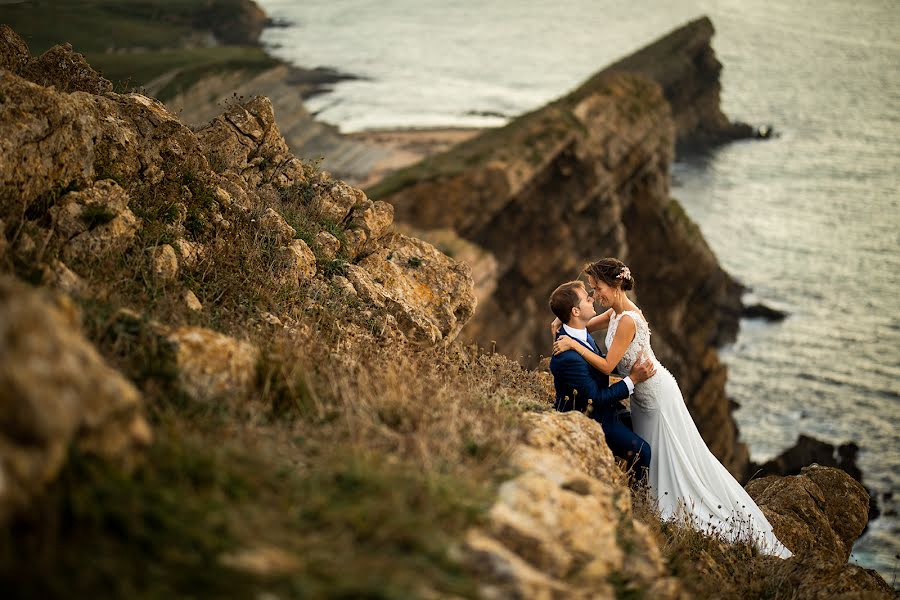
point(810, 221)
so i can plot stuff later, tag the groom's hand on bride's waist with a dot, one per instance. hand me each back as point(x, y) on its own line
point(642, 370)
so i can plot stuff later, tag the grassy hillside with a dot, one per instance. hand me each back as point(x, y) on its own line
point(132, 42)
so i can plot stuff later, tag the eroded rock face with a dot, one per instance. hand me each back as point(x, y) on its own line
point(583, 178)
point(52, 141)
point(820, 512)
point(94, 221)
point(429, 294)
point(55, 391)
point(563, 527)
point(685, 66)
point(246, 141)
point(210, 365)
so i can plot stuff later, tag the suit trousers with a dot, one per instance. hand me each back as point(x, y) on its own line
point(626, 444)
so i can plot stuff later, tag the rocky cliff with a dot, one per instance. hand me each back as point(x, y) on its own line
point(93, 182)
point(226, 370)
point(585, 177)
point(685, 66)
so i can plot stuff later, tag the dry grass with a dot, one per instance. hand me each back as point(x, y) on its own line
point(710, 566)
point(363, 457)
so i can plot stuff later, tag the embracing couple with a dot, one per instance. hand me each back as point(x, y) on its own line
point(663, 444)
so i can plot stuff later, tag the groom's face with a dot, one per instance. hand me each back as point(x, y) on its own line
point(585, 305)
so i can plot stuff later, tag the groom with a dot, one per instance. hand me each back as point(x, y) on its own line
point(577, 382)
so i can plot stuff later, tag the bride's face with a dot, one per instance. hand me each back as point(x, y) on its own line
point(603, 293)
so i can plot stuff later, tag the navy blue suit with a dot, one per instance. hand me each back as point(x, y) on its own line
point(576, 382)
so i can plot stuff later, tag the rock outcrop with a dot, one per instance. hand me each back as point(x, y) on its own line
point(237, 22)
point(297, 243)
point(685, 66)
point(56, 392)
point(585, 177)
point(93, 180)
point(563, 527)
point(210, 365)
point(809, 450)
point(819, 514)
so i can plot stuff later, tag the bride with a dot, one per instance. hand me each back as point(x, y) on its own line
point(686, 479)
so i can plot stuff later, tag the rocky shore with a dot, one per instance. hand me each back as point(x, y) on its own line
point(226, 374)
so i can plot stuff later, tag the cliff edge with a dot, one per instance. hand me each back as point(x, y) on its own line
point(225, 374)
point(585, 177)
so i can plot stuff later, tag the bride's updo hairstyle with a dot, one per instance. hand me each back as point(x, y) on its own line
point(612, 272)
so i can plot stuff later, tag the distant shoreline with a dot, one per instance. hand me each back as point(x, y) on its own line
point(407, 146)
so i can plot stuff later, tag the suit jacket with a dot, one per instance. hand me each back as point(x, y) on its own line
point(576, 382)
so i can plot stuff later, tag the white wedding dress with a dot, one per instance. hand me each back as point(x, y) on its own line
point(685, 478)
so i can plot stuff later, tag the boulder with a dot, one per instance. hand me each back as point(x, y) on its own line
point(335, 199)
point(563, 527)
point(297, 263)
point(191, 301)
point(326, 245)
point(94, 221)
point(189, 253)
point(61, 277)
point(369, 222)
point(209, 365)
point(245, 140)
point(484, 264)
point(56, 392)
point(820, 512)
point(163, 262)
point(275, 227)
point(429, 294)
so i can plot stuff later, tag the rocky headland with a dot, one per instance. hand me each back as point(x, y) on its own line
point(584, 177)
point(226, 374)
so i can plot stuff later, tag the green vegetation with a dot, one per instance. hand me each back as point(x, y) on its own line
point(365, 477)
point(187, 66)
point(134, 42)
point(95, 215)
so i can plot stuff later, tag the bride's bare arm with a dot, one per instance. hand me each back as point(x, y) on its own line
point(600, 321)
point(624, 335)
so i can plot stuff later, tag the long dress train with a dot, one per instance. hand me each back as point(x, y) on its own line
point(686, 479)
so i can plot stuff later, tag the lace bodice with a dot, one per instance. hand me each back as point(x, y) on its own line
point(640, 342)
point(645, 392)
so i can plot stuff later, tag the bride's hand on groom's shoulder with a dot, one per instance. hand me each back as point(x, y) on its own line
point(564, 343)
point(554, 326)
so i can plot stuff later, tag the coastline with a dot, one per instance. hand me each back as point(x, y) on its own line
point(408, 146)
point(368, 154)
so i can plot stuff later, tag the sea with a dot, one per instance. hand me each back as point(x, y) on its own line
point(809, 220)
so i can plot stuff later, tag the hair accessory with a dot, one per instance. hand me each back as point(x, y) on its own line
point(625, 273)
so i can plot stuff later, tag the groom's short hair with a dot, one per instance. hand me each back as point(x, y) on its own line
point(564, 299)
